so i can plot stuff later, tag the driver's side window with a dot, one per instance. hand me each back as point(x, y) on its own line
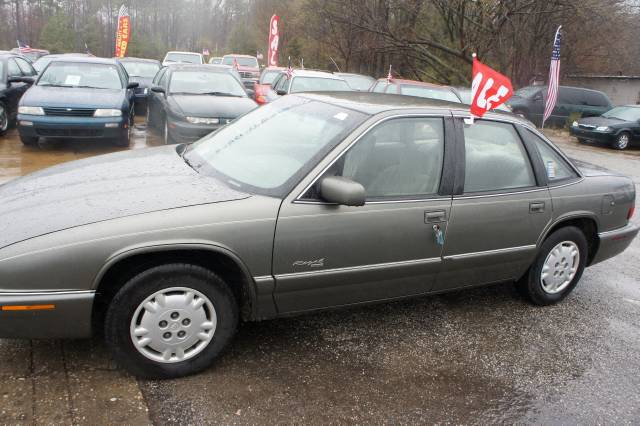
point(398, 159)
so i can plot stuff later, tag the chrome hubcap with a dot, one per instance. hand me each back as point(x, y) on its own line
point(623, 141)
point(4, 121)
point(560, 267)
point(173, 325)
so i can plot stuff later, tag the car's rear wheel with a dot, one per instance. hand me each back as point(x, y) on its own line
point(582, 140)
point(557, 268)
point(622, 141)
point(4, 119)
point(170, 321)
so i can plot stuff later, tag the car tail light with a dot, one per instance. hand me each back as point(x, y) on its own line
point(632, 210)
point(261, 100)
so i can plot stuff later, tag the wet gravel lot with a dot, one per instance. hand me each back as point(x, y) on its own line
point(478, 356)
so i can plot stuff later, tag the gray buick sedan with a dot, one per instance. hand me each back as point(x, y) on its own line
point(308, 203)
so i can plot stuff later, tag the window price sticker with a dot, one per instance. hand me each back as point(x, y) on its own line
point(551, 169)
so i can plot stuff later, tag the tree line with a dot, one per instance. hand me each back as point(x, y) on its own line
point(430, 40)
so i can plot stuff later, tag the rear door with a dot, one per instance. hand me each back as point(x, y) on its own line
point(501, 206)
point(327, 255)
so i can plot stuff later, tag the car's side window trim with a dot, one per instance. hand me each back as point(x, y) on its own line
point(462, 164)
point(447, 164)
point(535, 159)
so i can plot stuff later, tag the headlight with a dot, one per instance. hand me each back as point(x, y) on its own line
point(203, 120)
point(603, 129)
point(101, 112)
point(30, 110)
point(146, 90)
point(575, 124)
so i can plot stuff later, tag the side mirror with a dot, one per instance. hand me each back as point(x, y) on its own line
point(157, 89)
point(132, 85)
point(251, 93)
point(23, 79)
point(341, 190)
point(281, 92)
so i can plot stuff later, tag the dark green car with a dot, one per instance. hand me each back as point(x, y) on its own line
point(529, 102)
point(311, 202)
point(618, 127)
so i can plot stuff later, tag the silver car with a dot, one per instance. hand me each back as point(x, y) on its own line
point(311, 202)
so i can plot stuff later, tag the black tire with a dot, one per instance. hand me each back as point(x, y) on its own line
point(166, 135)
point(124, 305)
point(29, 140)
point(582, 140)
point(125, 140)
point(150, 122)
point(531, 284)
point(622, 141)
point(4, 119)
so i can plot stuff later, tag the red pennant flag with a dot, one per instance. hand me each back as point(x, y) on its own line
point(489, 88)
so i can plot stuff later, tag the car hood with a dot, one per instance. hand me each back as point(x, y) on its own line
point(103, 188)
point(73, 97)
point(601, 121)
point(142, 81)
point(212, 106)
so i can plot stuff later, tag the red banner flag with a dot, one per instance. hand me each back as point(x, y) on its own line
point(274, 39)
point(489, 88)
point(123, 32)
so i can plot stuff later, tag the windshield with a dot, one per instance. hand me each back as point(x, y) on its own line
point(527, 92)
point(361, 83)
point(429, 93)
point(141, 69)
point(77, 74)
point(318, 84)
point(242, 61)
point(623, 113)
point(42, 63)
point(189, 58)
point(262, 152)
point(205, 82)
point(269, 76)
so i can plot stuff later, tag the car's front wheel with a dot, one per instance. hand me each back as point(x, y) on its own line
point(170, 321)
point(4, 119)
point(622, 141)
point(557, 268)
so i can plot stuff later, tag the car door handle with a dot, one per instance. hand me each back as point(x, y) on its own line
point(435, 216)
point(536, 207)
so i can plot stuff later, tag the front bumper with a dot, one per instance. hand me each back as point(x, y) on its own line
point(182, 132)
point(592, 135)
point(59, 315)
point(615, 242)
point(71, 127)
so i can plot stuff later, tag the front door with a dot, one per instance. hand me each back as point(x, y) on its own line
point(503, 208)
point(328, 255)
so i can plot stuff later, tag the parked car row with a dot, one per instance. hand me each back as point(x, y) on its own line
point(273, 82)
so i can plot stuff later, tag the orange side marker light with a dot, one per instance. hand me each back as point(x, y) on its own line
point(28, 307)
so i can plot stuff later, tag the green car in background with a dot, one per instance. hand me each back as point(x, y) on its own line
point(529, 102)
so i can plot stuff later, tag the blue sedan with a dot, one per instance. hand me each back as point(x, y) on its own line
point(85, 98)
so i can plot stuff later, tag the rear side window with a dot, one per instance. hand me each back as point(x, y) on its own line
point(556, 167)
point(571, 96)
point(495, 158)
point(25, 67)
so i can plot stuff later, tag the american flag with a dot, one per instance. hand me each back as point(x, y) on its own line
point(289, 69)
point(24, 48)
point(554, 77)
point(236, 66)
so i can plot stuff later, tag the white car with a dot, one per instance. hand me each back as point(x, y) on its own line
point(182, 57)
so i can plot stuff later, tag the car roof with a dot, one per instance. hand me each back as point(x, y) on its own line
point(85, 59)
point(375, 103)
point(183, 51)
point(239, 56)
point(317, 74)
point(132, 59)
point(416, 83)
point(199, 67)
point(353, 73)
point(565, 87)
